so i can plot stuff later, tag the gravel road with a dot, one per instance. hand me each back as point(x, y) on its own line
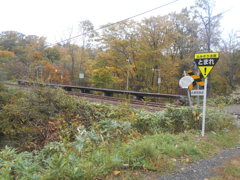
point(233, 109)
point(202, 169)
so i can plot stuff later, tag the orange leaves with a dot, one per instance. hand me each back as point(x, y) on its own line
point(78, 116)
point(55, 74)
point(6, 54)
point(52, 123)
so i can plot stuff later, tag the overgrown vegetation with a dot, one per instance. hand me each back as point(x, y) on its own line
point(233, 98)
point(69, 138)
point(90, 157)
point(47, 114)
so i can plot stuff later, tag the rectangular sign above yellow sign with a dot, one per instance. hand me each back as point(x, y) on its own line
point(206, 55)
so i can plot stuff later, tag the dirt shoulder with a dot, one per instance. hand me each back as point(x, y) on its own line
point(229, 170)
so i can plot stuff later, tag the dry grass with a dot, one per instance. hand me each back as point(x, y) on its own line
point(229, 170)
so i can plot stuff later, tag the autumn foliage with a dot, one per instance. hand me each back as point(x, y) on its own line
point(55, 74)
point(142, 52)
point(6, 54)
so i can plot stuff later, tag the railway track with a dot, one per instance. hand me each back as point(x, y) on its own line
point(116, 101)
point(153, 106)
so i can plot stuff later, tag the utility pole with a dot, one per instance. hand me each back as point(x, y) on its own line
point(37, 71)
point(128, 69)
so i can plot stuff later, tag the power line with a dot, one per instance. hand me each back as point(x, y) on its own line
point(103, 27)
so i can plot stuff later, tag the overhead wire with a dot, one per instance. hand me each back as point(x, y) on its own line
point(111, 24)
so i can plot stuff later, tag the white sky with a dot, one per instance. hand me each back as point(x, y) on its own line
point(54, 18)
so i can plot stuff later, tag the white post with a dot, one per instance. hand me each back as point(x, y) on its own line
point(198, 97)
point(204, 106)
point(159, 81)
point(188, 92)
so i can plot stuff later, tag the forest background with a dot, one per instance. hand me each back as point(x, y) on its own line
point(134, 50)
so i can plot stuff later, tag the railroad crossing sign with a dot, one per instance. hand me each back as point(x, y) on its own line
point(197, 79)
point(206, 61)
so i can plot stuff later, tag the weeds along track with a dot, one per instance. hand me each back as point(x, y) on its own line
point(152, 106)
point(116, 101)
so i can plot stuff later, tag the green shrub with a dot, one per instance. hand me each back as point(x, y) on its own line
point(51, 112)
point(94, 139)
point(235, 96)
point(85, 140)
point(219, 100)
point(145, 121)
point(9, 95)
point(14, 166)
point(65, 161)
point(172, 120)
point(218, 120)
point(138, 154)
point(181, 119)
point(45, 115)
point(112, 130)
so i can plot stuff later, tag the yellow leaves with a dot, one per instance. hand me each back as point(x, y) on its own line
point(135, 134)
point(37, 56)
point(132, 115)
point(196, 115)
point(116, 173)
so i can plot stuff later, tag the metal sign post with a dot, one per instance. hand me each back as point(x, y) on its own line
point(159, 82)
point(198, 98)
point(81, 76)
point(188, 92)
point(204, 106)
